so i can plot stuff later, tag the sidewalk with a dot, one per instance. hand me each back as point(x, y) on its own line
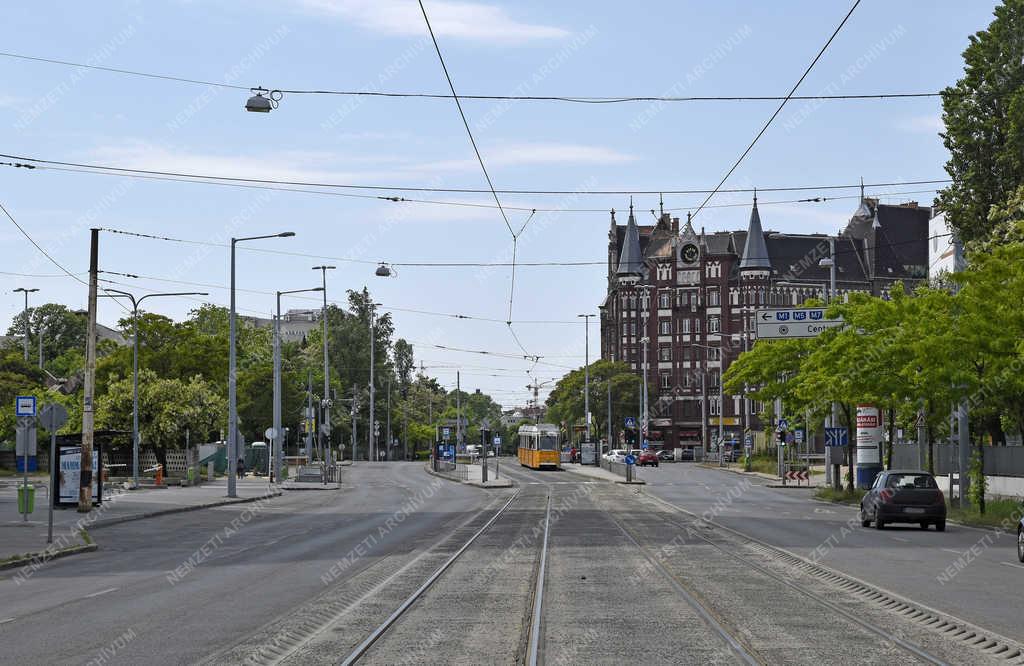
point(19, 539)
point(601, 473)
point(474, 476)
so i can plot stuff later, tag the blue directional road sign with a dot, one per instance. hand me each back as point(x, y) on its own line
point(630, 422)
point(630, 460)
point(836, 437)
point(799, 436)
point(497, 441)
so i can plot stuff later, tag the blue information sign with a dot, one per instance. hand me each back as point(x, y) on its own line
point(836, 437)
point(630, 422)
point(630, 460)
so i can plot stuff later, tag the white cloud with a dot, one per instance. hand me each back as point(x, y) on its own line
point(326, 167)
point(922, 124)
point(464, 20)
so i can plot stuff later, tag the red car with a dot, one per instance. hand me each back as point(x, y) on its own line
point(647, 458)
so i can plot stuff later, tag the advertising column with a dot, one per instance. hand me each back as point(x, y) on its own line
point(869, 445)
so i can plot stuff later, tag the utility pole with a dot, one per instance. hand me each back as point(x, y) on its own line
point(586, 372)
point(89, 390)
point(458, 413)
point(372, 428)
point(309, 415)
point(387, 449)
point(608, 435)
point(40, 346)
point(703, 412)
point(327, 373)
point(355, 442)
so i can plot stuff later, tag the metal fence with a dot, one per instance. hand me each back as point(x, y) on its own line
point(459, 471)
point(615, 467)
point(998, 460)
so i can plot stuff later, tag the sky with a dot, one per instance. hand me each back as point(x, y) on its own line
point(671, 48)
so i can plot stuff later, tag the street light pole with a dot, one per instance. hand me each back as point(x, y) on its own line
point(586, 372)
point(26, 292)
point(278, 428)
point(373, 444)
point(327, 375)
point(117, 293)
point(232, 371)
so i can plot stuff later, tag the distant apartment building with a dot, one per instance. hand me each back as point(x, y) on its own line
point(295, 324)
point(693, 295)
point(945, 251)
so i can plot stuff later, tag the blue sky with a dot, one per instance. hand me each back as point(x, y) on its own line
point(526, 48)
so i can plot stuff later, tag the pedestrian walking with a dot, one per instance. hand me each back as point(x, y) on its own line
point(241, 468)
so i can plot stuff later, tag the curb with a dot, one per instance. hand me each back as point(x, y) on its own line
point(980, 528)
point(56, 555)
point(179, 509)
point(472, 484)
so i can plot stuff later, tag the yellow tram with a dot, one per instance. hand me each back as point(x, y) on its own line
point(538, 446)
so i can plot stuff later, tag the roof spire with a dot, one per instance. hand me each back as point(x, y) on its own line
point(862, 188)
point(661, 204)
point(630, 259)
point(755, 250)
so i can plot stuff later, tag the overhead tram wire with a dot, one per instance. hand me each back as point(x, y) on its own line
point(442, 264)
point(779, 109)
point(573, 99)
point(462, 204)
point(459, 190)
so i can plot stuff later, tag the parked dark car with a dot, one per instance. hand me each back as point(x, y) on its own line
point(666, 456)
point(1020, 540)
point(687, 453)
point(904, 496)
point(647, 458)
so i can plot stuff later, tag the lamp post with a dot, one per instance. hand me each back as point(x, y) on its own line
point(117, 293)
point(278, 430)
point(232, 376)
point(721, 397)
point(26, 292)
point(372, 449)
point(586, 372)
point(645, 311)
point(327, 374)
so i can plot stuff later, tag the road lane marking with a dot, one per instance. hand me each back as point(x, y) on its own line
point(1013, 564)
point(6, 620)
point(950, 550)
point(900, 539)
point(101, 592)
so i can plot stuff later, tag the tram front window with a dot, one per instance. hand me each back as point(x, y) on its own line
point(548, 443)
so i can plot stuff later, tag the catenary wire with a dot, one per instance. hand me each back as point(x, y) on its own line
point(779, 109)
point(576, 99)
point(466, 190)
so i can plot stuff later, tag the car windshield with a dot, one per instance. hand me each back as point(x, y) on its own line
point(911, 482)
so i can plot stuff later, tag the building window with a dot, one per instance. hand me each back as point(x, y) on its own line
point(713, 324)
point(715, 405)
point(632, 301)
point(664, 300)
point(664, 353)
point(632, 328)
point(713, 300)
point(684, 299)
point(713, 377)
point(714, 354)
point(696, 325)
point(685, 324)
point(666, 380)
point(665, 327)
point(686, 352)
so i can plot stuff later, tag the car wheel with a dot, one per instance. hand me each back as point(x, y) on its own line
point(1020, 544)
point(941, 526)
point(879, 523)
point(864, 520)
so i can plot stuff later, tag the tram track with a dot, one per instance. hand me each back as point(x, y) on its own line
point(772, 561)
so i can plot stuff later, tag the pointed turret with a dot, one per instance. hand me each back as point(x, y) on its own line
point(755, 251)
point(631, 261)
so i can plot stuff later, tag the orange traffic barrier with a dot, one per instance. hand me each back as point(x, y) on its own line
point(159, 475)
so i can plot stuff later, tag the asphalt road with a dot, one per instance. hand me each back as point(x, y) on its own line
point(970, 573)
point(120, 603)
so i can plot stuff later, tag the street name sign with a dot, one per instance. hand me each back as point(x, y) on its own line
point(799, 323)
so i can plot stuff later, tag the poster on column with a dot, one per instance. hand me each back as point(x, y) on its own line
point(869, 435)
point(69, 475)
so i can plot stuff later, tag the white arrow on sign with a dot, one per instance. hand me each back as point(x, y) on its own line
point(800, 323)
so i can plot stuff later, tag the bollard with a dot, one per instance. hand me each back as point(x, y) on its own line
point(159, 478)
point(210, 471)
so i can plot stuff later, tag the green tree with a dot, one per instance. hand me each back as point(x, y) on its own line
point(63, 330)
point(566, 401)
point(984, 118)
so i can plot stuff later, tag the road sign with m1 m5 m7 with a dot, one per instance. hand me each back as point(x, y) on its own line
point(799, 323)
